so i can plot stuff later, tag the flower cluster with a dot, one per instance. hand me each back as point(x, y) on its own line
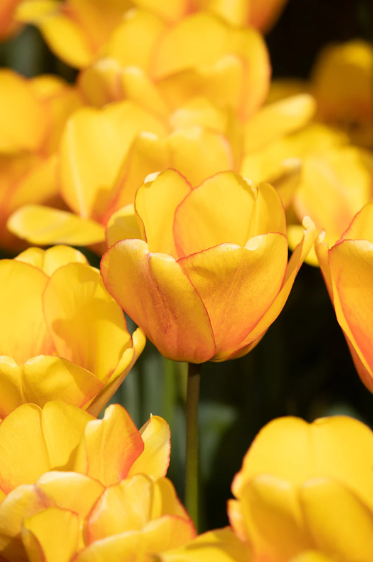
point(174, 159)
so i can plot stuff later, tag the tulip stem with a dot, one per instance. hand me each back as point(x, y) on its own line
point(191, 453)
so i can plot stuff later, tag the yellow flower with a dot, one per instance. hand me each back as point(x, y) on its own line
point(304, 494)
point(62, 336)
point(8, 23)
point(74, 487)
point(32, 116)
point(347, 268)
point(213, 273)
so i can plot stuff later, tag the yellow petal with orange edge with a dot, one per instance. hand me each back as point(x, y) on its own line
point(295, 262)
point(24, 332)
point(121, 508)
point(51, 535)
point(34, 441)
point(86, 324)
point(198, 153)
point(139, 88)
point(156, 294)
point(361, 228)
point(22, 502)
point(155, 205)
point(312, 556)
point(124, 366)
point(272, 518)
point(135, 38)
point(43, 225)
point(165, 501)
point(237, 285)
point(338, 447)
point(264, 14)
point(42, 379)
point(155, 458)
point(99, 82)
point(351, 266)
point(220, 545)
point(226, 209)
point(169, 10)
point(93, 146)
point(51, 259)
point(235, 12)
point(278, 119)
point(123, 224)
point(109, 448)
point(339, 522)
point(22, 125)
point(8, 23)
point(65, 37)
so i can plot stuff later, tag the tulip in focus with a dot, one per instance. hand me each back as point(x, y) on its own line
point(347, 268)
point(63, 336)
point(32, 116)
point(77, 488)
point(203, 271)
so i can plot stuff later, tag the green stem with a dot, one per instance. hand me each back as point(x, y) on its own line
point(191, 453)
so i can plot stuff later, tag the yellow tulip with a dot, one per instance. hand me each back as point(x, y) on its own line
point(77, 488)
point(211, 291)
point(347, 268)
point(307, 487)
point(342, 84)
point(334, 185)
point(33, 114)
point(63, 336)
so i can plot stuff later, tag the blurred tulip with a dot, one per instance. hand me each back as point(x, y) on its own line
point(32, 116)
point(335, 184)
point(128, 140)
point(63, 336)
point(307, 487)
point(342, 84)
point(347, 268)
point(211, 291)
point(77, 488)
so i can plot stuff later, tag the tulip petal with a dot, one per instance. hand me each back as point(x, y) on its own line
point(237, 285)
point(87, 325)
point(273, 519)
point(264, 14)
point(22, 125)
point(278, 119)
point(93, 146)
point(43, 225)
point(156, 294)
point(351, 265)
point(338, 447)
point(43, 379)
point(64, 36)
point(51, 535)
point(122, 224)
point(155, 458)
point(221, 545)
point(115, 437)
point(51, 259)
point(169, 10)
point(155, 204)
point(361, 228)
point(124, 366)
point(33, 441)
point(226, 209)
point(133, 41)
point(198, 154)
point(339, 522)
point(22, 502)
point(24, 332)
point(295, 262)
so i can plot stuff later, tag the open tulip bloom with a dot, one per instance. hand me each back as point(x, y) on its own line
point(205, 271)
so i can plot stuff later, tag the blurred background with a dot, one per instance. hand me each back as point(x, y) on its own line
point(302, 367)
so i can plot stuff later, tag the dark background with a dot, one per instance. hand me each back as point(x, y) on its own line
point(302, 366)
